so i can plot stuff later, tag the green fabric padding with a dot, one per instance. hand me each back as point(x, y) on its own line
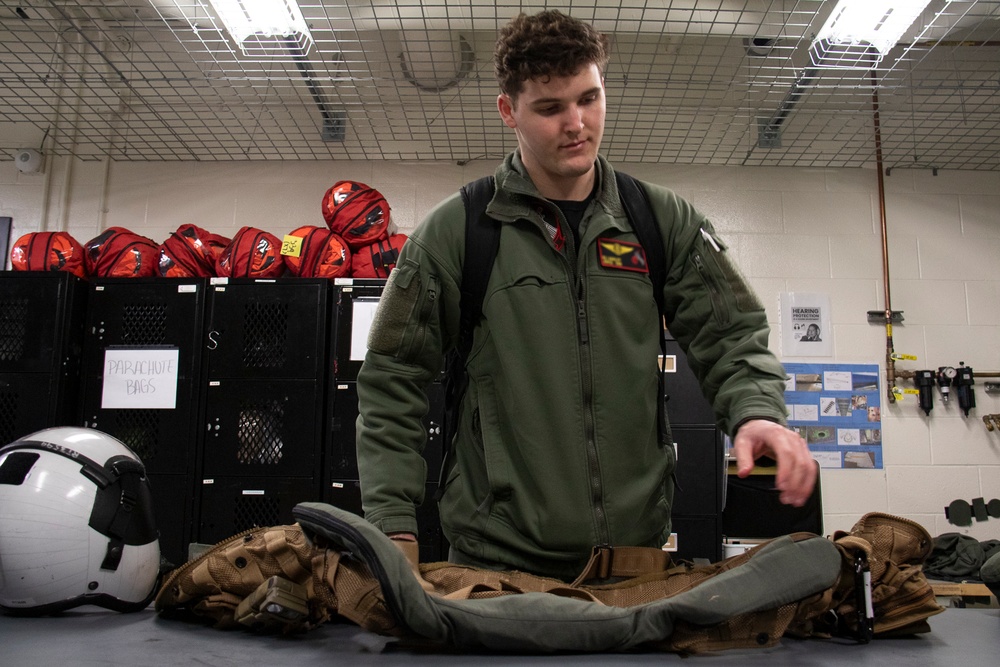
point(781, 572)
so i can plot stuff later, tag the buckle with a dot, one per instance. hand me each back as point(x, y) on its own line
point(863, 598)
point(604, 556)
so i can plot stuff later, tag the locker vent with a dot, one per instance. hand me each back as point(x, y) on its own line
point(259, 432)
point(144, 324)
point(8, 417)
point(139, 429)
point(253, 511)
point(265, 327)
point(13, 329)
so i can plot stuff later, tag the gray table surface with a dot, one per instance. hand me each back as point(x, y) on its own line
point(91, 636)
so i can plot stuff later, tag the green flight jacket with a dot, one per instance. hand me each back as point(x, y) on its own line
point(557, 447)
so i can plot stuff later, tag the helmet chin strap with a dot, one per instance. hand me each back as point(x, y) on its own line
point(128, 474)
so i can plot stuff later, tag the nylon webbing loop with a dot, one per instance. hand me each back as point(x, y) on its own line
point(608, 562)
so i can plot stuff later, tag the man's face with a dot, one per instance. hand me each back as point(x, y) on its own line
point(559, 122)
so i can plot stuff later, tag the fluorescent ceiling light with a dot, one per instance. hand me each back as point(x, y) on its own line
point(859, 33)
point(265, 27)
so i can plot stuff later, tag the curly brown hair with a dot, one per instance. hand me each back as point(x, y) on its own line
point(546, 44)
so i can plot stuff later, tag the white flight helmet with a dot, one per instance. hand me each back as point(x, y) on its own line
point(76, 524)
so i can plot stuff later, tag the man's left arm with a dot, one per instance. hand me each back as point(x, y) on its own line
point(722, 326)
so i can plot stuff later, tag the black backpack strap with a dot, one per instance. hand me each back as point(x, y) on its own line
point(482, 239)
point(643, 220)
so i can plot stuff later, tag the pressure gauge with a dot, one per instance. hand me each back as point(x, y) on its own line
point(945, 376)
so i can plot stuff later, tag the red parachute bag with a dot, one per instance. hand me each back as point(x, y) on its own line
point(322, 254)
point(378, 259)
point(358, 212)
point(191, 252)
point(253, 253)
point(48, 251)
point(120, 253)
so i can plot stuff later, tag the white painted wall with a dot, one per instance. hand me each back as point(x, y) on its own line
point(807, 230)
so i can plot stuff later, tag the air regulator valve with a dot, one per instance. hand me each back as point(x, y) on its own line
point(945, 376)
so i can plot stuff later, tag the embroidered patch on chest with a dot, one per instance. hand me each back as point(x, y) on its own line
point(622, 255)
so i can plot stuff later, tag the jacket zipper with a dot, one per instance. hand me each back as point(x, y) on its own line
point(570, 258)
point(718, 303)
point(211, 551)
point(425, 309)
point(587, 387)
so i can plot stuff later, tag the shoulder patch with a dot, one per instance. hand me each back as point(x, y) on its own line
point(614, 254)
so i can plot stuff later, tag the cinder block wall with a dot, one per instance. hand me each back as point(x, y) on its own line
point(805, 230)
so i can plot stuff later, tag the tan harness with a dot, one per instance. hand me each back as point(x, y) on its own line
point(332, 564)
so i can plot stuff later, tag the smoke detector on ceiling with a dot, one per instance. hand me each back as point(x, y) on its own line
point(28, 160)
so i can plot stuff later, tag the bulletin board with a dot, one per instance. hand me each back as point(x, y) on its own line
point(837, 409)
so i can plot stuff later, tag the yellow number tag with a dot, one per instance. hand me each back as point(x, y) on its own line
point(291, 245)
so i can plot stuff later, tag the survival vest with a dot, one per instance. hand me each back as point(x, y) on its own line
point(332, 564)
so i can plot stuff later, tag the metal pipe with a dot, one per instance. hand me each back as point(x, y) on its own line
point(909, 375)
point(890, 361)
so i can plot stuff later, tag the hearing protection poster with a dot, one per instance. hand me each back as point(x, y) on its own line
point(836, 408)
point(805, 324)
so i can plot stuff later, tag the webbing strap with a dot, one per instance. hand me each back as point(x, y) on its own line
point(623, 562)
point(277, 545)
point(482, 239)
point(640, 214)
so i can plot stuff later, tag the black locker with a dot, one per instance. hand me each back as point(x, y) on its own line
point(152, 313)
point(700, 471)
point(172, 497)
point(41, 343)
point(267, 328)
point(697, 537)
point(686, 405)
point(268, 375)
point(265, 428)
point(355, 300)
point(231, 505)
point(342, 459)
point(700, 474)
point(148, 313)
point(697, 504)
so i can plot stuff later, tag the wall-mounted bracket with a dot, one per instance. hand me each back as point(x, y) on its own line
point(878, 317)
